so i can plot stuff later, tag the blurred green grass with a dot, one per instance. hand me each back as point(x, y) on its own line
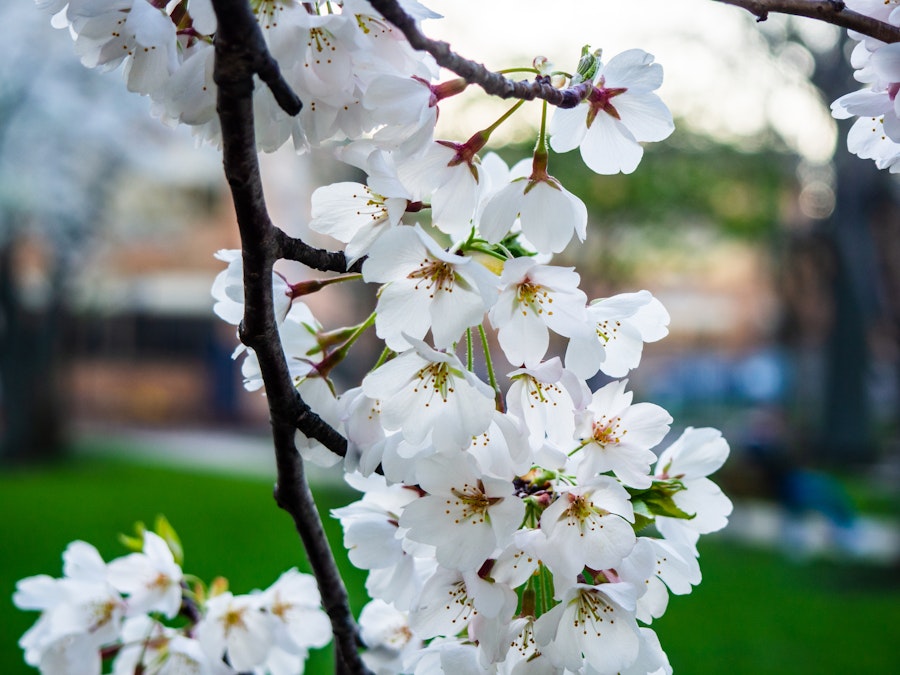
point(754, 613)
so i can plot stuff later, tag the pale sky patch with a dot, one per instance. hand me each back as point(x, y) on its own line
point(720, 78)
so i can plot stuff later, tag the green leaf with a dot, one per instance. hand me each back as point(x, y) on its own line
point(658, 500)
point(164, 529)
point(643, 516)
point(135, 543)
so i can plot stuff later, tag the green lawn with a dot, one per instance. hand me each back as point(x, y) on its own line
point(754, 613)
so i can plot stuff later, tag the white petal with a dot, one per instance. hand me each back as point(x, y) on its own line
point(610, 148)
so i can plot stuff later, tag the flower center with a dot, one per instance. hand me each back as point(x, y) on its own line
point(605, 333)
point(608, 431)
point(437, 377)
point(436, 276)
point(542, 392)
point(591, 608)
point(600, 100)
point(473, 502)
point(102, 613)
point(534, 296)
point(233, 619)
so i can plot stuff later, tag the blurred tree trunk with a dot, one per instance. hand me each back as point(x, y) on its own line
point(846, 430)
point(31, 398)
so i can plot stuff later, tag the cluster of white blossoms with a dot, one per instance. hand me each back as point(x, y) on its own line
point(876, 134)
point(517, 525)
point(139, 614)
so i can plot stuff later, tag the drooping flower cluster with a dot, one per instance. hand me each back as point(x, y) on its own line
point(330, 58)
point(139, 612)
point(876, 134)
point(506, 524)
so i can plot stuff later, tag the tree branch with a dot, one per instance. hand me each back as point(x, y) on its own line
point(240, 54)
point(476, 73)
point(291, 248)
point(829, 11)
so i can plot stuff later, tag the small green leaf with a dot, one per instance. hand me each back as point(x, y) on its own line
point(643, 516)
point(658, 500)
point(135, 543)
point(164, 529)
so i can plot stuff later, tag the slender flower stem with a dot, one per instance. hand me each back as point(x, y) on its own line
point(487, 358)
point(498, 396)
point(386, 353)
point(541, 150)
point(470, 356)
point(507, 71)
point(505, 116)
point(542, 144)
point(339, 354)
point(362, 328)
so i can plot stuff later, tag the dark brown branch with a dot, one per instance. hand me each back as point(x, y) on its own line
point(829, 11)
point(291, 248)
point(253, 52)
point(240, 53)
point(476, 73)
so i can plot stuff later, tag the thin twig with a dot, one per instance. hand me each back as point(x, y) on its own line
point(829, 11)
point(240, 53)
point(476, 73)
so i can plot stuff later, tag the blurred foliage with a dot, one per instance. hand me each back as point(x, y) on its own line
point(687, 178)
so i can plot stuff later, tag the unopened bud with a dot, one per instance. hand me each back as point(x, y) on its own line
point(587, 65)
point(558, 81)
point(218, 586)
point(542, 64)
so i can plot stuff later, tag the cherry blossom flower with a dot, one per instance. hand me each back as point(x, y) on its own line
point(690, 459)
point(451, 174)
point(658, 567)
point(546, 398)
point(372, 534)
point(502, 450)
point(466, 515)
point(620, 113)
point(131, 31)
point(592, 624)
point(445, 655)
point(152, 578)
point(355, 214)
point(548, 213)
point(293, 603)
point(424, 392)
point(150, 647)
point(235, 627)
point(79, 613)
point(298, 338)
point(587, 526)
point(388, 638)
point(621, 325)
point(450, 599)
point(533, 299)
point(616, 436)
point(408, 108)
point(867, 139)
point(428, 288)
